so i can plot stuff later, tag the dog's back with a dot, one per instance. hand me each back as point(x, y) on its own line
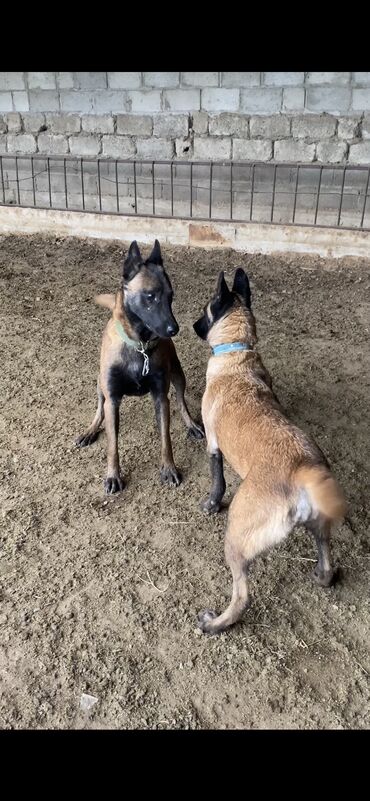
point(261, 444)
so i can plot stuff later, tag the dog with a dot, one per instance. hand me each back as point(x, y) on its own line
point(286, 480)
point(138, 357)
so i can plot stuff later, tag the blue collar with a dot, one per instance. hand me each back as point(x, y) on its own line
point(230, 347)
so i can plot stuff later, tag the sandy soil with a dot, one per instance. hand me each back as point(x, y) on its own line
point(100, 595)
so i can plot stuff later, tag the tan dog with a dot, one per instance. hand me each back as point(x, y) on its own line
point(286, 480)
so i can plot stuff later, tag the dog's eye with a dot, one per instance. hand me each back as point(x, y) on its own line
point(150, 296)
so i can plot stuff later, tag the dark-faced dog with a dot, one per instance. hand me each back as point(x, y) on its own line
point(286, 480)
point(138, 357)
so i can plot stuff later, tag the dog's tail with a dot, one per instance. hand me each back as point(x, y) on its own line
point(325, 494)
point(108, 301)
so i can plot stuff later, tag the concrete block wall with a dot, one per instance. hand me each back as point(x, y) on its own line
point(270, 116)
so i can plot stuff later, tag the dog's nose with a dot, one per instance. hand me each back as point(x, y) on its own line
point(172, 329)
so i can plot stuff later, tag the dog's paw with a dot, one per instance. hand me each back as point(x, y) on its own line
point(86, 439)
point(170, 476)
point(325, 578)
point(210, 507)
point(113, 484)
point(196, 431)
point(205, 618)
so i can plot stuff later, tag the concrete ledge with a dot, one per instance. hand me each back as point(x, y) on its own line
point(247, 237)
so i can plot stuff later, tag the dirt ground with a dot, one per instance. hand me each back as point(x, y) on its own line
point(100, 595)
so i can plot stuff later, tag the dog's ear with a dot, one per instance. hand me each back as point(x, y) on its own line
point(223, 299)
point(133, 262)
point(241, 286)
point(156, 255)
point(108, 301)
point(222, 289)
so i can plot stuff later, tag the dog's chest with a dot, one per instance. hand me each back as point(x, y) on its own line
point(126, 377)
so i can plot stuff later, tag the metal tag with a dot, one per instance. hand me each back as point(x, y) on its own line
point(145, 369)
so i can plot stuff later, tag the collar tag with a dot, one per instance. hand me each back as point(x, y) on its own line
point(132, 343)
point(142, 350)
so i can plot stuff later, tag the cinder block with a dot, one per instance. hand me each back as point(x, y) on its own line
point(215, 148)
point(11, 80)
point(312, 127)
point(291, 150)
point(361, 78)
point(199, 122)
point(239, 80)
point(41, 80)
point(199, 79)
point(220, 99)
point(331, 152)
point(33, 123)
point(21, 143)
point(229, 125)
point(85, 145)
point(161, 80)
point(181, 100)
point(81, 102)
point(134, 124)
point(183, 147)
point(359, 153)
point(349, 128)
point(98, 123)
point(146, 101)
point(283, 78)
point(333, 78)
point(260, 101)
point(170, 125)
point(63, 123)
point(52, 144)
point(41, 100)
point(252, 150)
point(118, 147)
point(154, 148)
point(329, 98)
point(90, 80)
point(14, 122)
point(20, 101)
point(65, 80)
point(124, 80)
point(293, 99)
point(361, 100)
point(106, 102)
point(366, 127)
point(3, 126)
point(276, 127)
point(6, 102)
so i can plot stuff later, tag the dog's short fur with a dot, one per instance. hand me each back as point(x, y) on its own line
point(286, 479)
point(143, 308)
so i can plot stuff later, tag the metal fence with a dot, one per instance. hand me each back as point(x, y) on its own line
point(334, 196)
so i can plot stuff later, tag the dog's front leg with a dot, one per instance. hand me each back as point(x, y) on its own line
point(169, 473)
point(212, 504)
point(113, 483)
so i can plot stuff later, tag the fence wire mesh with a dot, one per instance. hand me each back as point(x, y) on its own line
point(327, 195)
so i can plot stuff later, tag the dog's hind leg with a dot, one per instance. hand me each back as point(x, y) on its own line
point(250, 530)
point(195, 430)
point(212, 623)
point(323, 573)
point(92, 432)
